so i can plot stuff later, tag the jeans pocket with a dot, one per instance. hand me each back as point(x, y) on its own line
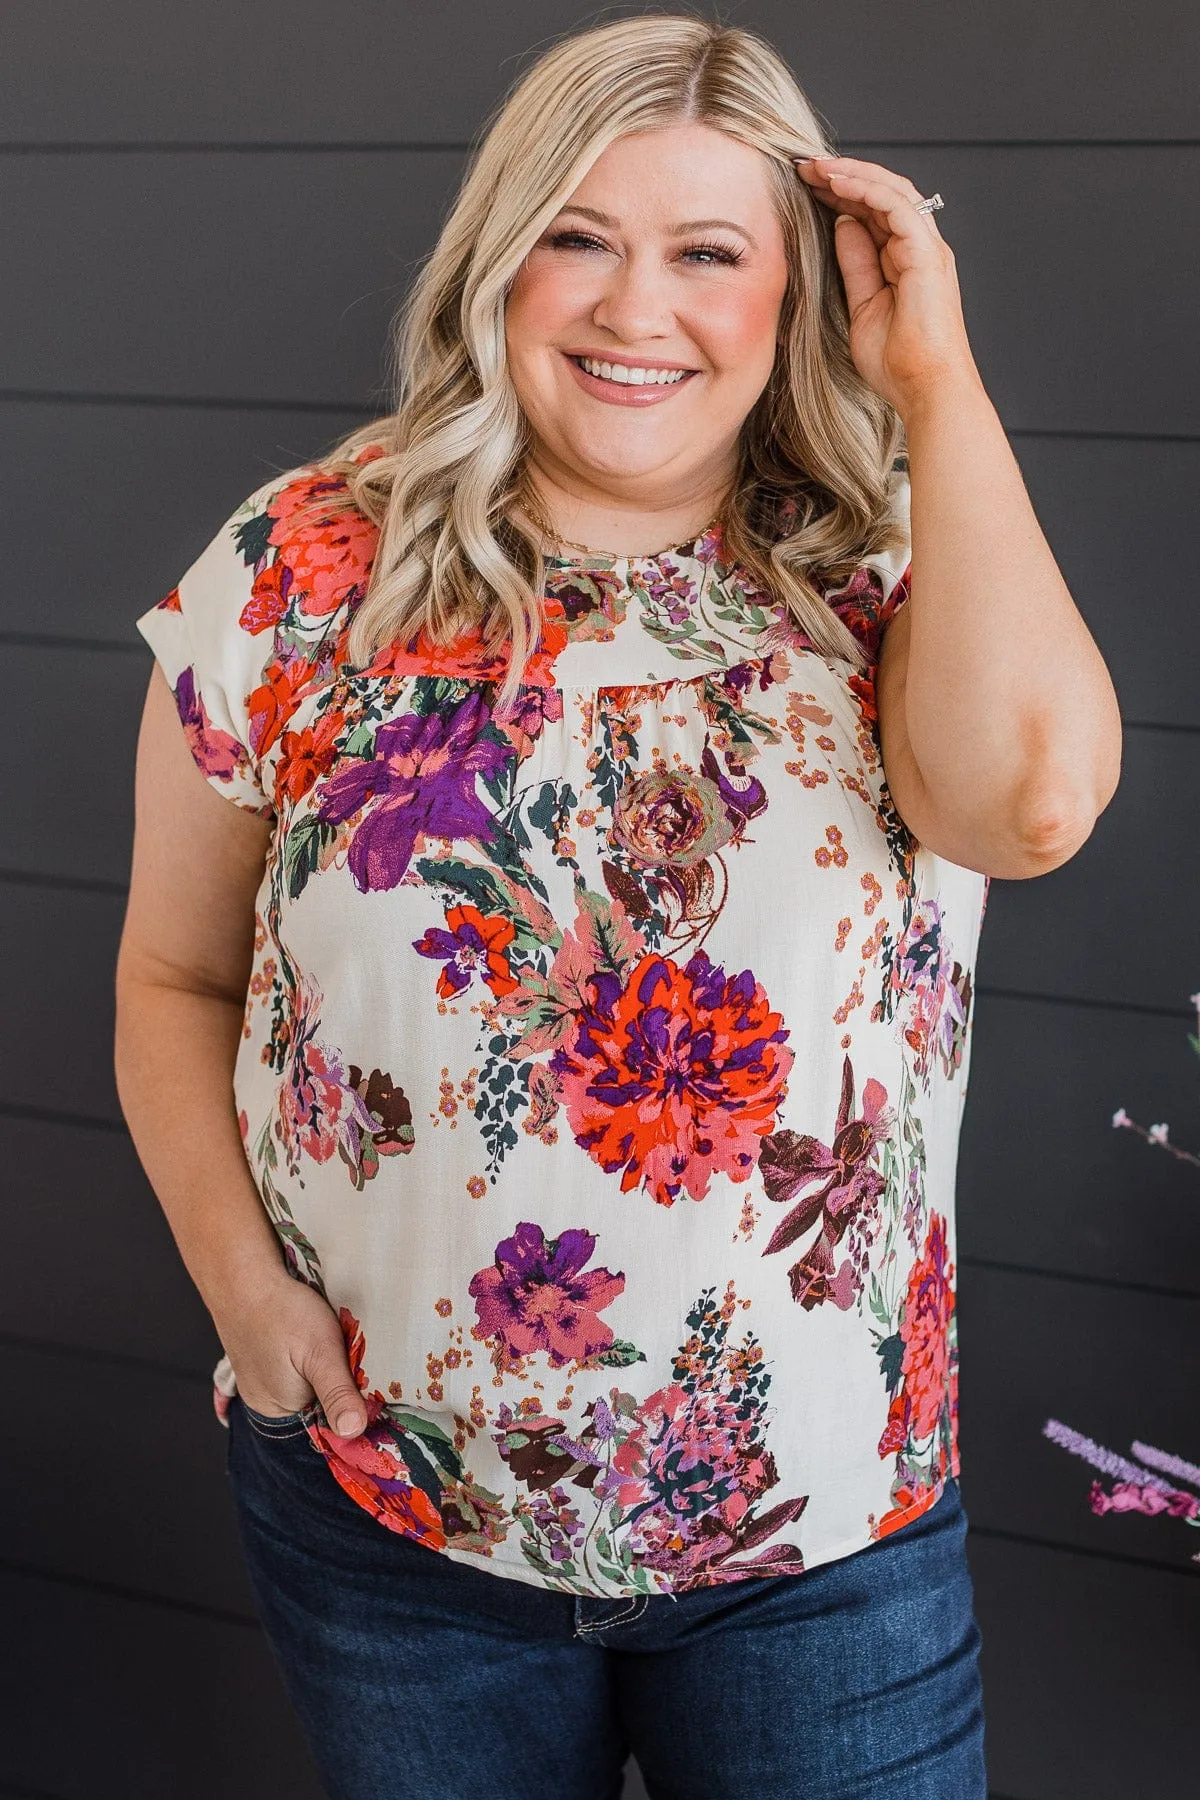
point(280, 1425)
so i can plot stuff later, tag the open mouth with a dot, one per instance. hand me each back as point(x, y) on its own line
point(619, 375)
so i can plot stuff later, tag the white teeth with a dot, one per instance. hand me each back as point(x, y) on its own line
point(632, 377)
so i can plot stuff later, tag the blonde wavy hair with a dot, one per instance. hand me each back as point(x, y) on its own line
point(454, 450)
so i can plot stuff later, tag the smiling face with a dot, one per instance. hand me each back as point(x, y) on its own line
point(668, 256)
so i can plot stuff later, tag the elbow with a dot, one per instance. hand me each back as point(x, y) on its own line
point(1051, 831)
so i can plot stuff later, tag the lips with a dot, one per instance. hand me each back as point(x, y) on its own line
point(626, 393)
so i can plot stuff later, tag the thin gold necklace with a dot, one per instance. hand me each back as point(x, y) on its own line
point(547, 530)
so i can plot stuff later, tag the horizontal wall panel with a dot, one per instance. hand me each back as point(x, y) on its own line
point(65, 816)
point(113, 1699)
point(89, 1260)
point(62, 950)
point(149, 1452)
point(145, 488)
point(1044, 1177)
point(1120, 519)
point(245, 277)
point(1118, 922)
point(1089, 1675)
point(141, 517)
point(1114, 1366)
point(205, 276)
point(215, 71)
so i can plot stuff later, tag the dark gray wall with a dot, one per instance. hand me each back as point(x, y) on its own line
point(207, 214)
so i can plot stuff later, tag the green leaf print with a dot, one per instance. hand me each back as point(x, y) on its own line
point(303, 845)
point(253, 537)
point(890, 1351)
point(620, 1354)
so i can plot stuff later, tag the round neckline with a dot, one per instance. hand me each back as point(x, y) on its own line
point(606, 559)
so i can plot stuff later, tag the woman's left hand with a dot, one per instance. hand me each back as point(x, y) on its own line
point(907, 332)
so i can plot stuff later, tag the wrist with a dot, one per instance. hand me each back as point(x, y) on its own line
point(944, 392)
point(235, 1288)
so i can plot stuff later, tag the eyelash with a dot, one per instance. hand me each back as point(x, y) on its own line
point(729, 257)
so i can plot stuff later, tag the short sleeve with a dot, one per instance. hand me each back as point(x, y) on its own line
point(894, 567)
point(211, 636)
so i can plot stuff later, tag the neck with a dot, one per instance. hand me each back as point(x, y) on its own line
point(603, 526)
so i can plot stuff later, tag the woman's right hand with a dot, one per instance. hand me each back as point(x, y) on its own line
point(287, 1348)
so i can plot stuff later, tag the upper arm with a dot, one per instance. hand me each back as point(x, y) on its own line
point(203, 792)
point(197, 864)
point(973, 842)
point(901, 773)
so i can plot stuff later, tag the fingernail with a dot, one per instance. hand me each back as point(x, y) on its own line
point(842, 219)
point(347, 1424)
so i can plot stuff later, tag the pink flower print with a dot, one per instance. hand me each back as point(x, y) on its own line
point(217, 752)
point(812, 1279)
point(536, 1300)
point(925, 1333)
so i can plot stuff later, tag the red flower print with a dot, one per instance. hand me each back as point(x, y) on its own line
point(470, 942)
point(925, 1331)
point(369, 1466)
point(536, 1299)
point(268, 599)
point(304, 756)
point(674, 1075)
point(328, 553)
point(468, 658)
point(273, 702)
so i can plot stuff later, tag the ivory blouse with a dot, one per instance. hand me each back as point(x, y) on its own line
point(603, 1059)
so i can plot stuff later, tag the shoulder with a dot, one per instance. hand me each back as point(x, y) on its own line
point(251, 624)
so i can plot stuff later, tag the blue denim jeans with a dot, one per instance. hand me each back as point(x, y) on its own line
point(416, 1676)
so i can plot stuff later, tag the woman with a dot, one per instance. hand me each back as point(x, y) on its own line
point(579, 1223)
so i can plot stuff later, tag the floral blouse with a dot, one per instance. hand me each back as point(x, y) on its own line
point(603, 1058)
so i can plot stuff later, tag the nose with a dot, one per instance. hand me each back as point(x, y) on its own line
point(635, 305)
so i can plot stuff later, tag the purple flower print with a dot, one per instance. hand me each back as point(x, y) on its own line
point(744, 795)
point(535, 1299)
point(422, 782)
point(217, 752)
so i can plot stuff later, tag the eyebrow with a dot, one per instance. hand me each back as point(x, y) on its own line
point(600, 218)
